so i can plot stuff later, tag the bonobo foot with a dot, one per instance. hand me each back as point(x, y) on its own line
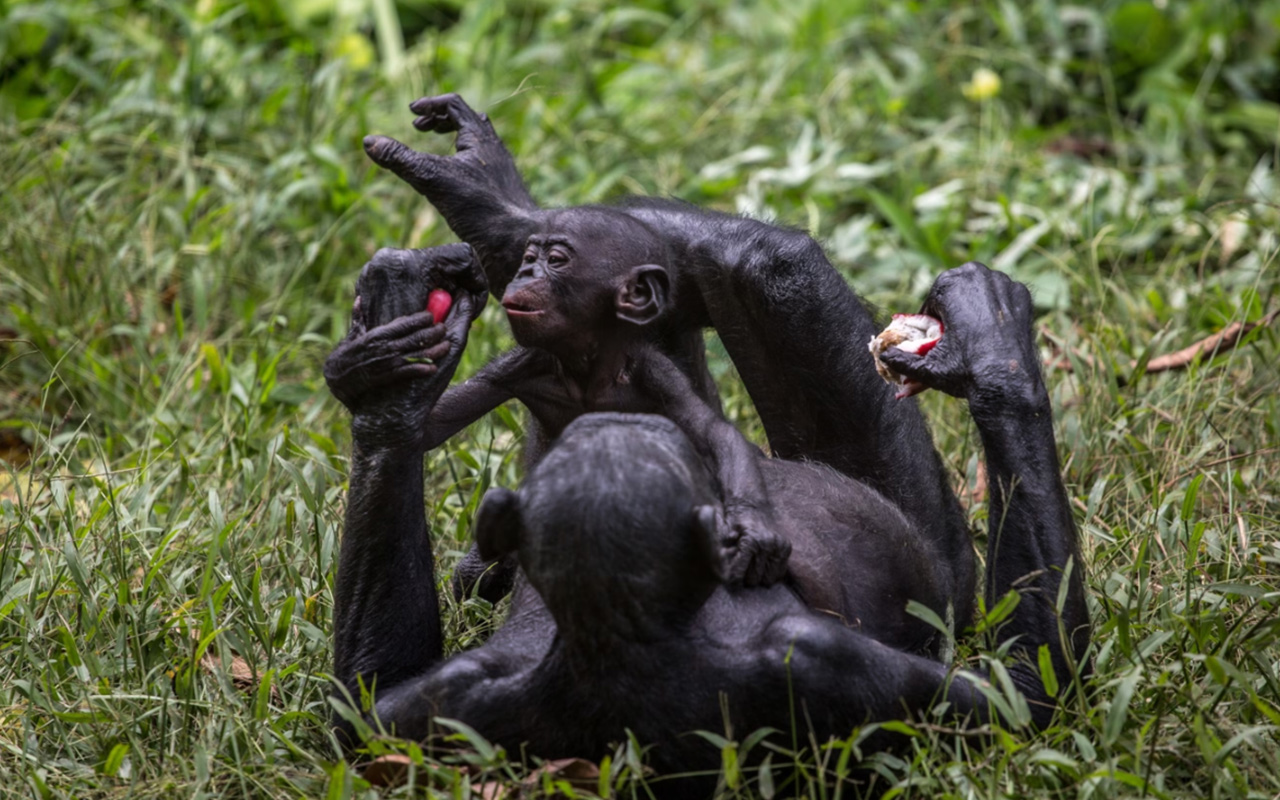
point(752, 553)
point(987, 354)
point(388, 370)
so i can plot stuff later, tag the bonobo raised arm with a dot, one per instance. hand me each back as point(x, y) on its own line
point(793, 327)
point(389, 372)
point(624, 625)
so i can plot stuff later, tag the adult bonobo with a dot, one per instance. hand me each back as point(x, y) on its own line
point(624, 624)
point(770, 293)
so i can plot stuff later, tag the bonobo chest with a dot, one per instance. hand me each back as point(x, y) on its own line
point(556, 398)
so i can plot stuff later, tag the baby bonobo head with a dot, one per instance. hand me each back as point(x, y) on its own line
point(590, 274)
point(615, 527)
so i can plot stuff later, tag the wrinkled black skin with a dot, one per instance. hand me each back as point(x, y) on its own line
point(770, 293)
point(623, 623)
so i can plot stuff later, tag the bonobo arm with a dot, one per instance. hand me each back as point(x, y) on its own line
point(478, 191)
point(754, 552)
point(988, 356)
point(386, 614)
point(495, 383)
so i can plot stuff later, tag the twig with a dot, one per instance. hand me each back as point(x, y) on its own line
point(1220, 342)
point(1225, 339)
point(1217, 462)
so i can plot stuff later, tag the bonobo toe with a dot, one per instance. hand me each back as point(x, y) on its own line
point(374, 145)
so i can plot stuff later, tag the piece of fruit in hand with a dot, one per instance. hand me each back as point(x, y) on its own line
point(439, 303)
point(915, 333)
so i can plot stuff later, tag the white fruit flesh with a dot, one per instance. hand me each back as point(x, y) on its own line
point(914, 333)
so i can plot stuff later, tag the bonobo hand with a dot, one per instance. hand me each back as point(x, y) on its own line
point(479, 150)
point(987, 354)
point(390, 376)
point(753, 554)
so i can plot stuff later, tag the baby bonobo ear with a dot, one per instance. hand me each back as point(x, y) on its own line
point(643, 295)
point(498, 524)
point(706, 526)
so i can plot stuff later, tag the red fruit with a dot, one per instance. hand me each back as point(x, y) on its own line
point(438, 303)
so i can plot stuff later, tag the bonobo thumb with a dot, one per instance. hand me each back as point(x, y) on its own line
point(936, 369)
point(413, 167)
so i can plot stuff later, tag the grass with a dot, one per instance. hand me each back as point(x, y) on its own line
point(184, 205)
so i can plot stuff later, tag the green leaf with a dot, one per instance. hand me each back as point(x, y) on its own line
point(1047, 674)
point(114, 760)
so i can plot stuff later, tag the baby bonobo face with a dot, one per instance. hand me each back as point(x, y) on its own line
point(584, 275)
point(614, 525)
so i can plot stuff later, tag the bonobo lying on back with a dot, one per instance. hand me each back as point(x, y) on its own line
point(624, 623)
point(794, 329)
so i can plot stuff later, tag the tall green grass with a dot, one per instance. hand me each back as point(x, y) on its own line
point(184, 205)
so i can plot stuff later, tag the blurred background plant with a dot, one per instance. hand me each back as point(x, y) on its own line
point(184, 205)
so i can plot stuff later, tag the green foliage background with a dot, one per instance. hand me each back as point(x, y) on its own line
point(184, 205)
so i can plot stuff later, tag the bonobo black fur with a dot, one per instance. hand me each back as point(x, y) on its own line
point(794, 329)
point(624, 624)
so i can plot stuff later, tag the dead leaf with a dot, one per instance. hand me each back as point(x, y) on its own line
point(577, 772)
point(242, 675)
point(13, 448)
point(388, 771)
point(489, 790)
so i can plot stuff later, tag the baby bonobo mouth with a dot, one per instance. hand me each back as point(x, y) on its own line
point(516, 308)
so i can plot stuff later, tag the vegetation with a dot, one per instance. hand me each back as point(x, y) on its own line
point(184, 205)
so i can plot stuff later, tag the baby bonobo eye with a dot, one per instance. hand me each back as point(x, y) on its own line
point(530, 255)
point(557, 257)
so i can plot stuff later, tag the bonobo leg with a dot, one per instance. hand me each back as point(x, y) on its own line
point(988, 357)
point(753, 550)
point(386, 616)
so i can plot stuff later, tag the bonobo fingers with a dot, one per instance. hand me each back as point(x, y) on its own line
point(407, 347)
point(456, 264)
point(987, 348)
point(444, 114)
point(414, 168)
point(449, 112)
point(754, 554)
point(940, 368)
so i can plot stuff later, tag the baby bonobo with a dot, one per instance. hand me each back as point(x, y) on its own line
point(587, 310)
